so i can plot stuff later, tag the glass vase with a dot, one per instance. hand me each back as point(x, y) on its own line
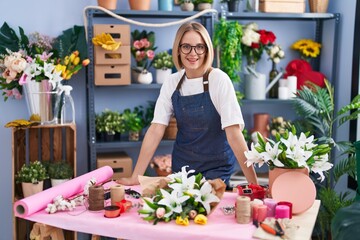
point(274, 91)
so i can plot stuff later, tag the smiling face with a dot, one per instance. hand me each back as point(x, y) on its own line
point(192, 62)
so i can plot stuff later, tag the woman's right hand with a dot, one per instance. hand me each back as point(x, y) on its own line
point(127, 181)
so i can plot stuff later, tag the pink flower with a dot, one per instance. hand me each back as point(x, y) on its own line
point(16, 93)
point(138, 44)
point(150, 54)
point(160, 212)
point(22, 79)
point(145, 43)
point(18, 65)
point(9, 75)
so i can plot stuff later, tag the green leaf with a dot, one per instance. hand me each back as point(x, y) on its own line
point(150, 204)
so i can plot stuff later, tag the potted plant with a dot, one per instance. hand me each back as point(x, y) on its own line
point(32, 177)
point(227, 37)
point(203, 4)
point(109, 124)
point(134, 122)
point(142, 50)
point(233, 5)
point(59, 172)
point(163, 64)
point(186, 5)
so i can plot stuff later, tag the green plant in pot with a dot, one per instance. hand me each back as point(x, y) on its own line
point(203, 4)
point(163, 64)
point(227, 37)
point(59, 172)
point(32, 177)
point(108, 123)
point(316, 106)
point(134, 122)
point(233, 5)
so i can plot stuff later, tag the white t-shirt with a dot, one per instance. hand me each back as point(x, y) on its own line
point(221, 90)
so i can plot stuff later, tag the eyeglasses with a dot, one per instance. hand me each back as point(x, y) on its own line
point(187, 48)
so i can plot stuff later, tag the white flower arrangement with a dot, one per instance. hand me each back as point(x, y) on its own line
point(290, 151)
point(187, 197)
point(275, 53)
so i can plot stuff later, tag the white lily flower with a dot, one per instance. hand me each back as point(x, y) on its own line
point(172, 200)
point(272, 154)
point(205, 196)
point(253, 157)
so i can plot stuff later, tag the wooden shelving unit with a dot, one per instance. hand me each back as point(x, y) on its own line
point(44, 143)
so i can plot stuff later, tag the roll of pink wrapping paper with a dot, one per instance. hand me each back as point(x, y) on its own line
point(39, 201)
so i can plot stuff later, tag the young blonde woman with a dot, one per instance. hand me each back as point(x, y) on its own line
point(209, 120)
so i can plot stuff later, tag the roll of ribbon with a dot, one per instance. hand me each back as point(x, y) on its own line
point(282, 211)
point(243, 210)
point(287, 204)
point(39, 201)
point(271, 204)
point(117, 193)
point(262, 213)
point(112, 211)
point(96, 198)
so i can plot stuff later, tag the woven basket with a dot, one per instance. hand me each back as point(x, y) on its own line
point(318, 6)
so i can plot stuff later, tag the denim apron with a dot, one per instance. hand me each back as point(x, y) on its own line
point(200, 142)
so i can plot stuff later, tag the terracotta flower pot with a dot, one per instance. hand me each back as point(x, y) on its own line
point(318, 6)
point(139, 5)
point(108, 4)
point(261, 122)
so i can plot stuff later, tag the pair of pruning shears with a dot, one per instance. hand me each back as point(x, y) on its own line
point(277, 231)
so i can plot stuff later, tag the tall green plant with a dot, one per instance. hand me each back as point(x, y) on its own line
point(316, 106)
point(227, 36)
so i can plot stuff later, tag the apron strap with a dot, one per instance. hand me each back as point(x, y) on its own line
point(205, 80)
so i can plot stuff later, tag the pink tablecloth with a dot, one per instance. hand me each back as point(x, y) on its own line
point(130, 225)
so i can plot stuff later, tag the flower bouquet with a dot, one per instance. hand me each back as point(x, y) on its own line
point(254, 41)
point(185, 197)
point(290, 151)
point(37, 58)
point(142, 49)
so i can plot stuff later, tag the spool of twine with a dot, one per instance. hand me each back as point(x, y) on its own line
point(117, 193)
point(96, 198)
point(243, 210)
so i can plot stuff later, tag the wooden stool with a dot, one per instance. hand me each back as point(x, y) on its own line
point(42, 231)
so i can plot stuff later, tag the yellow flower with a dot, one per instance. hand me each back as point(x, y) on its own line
point(182, 221)
point(307, 48)
point(200, 219)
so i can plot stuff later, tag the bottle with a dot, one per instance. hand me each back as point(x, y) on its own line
point(65, 105)
point(274, 92)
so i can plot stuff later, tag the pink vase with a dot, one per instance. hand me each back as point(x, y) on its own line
point(276, 172)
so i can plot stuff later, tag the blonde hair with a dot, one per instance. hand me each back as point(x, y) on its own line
point(199, 28)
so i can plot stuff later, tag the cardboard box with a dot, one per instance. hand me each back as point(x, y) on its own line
point(112, 75)
point(121, 163)
point(120, 56)
point(119, 32)
point(282, 6)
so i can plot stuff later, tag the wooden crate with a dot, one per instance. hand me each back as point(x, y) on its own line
point(282, 6)
point(43, 143)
